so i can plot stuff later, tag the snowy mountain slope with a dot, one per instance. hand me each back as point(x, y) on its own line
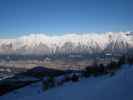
point(118, 87)
point(66, 44)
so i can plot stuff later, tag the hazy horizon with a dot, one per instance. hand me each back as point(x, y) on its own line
point(60, 34)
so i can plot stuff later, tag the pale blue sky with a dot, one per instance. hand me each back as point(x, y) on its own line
point(20, 17)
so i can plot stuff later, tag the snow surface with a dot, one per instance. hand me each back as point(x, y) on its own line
point(117, 87)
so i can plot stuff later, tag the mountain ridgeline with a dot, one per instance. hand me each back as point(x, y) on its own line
point(76, 45)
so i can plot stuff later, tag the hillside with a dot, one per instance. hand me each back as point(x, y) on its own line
point(117, 87)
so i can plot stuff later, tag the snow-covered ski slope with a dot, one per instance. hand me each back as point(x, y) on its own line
point(117, 87)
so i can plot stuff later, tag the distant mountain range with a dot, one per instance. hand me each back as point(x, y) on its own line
point(38, 44)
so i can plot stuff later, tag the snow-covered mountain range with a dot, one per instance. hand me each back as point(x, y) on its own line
point(68, 43)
